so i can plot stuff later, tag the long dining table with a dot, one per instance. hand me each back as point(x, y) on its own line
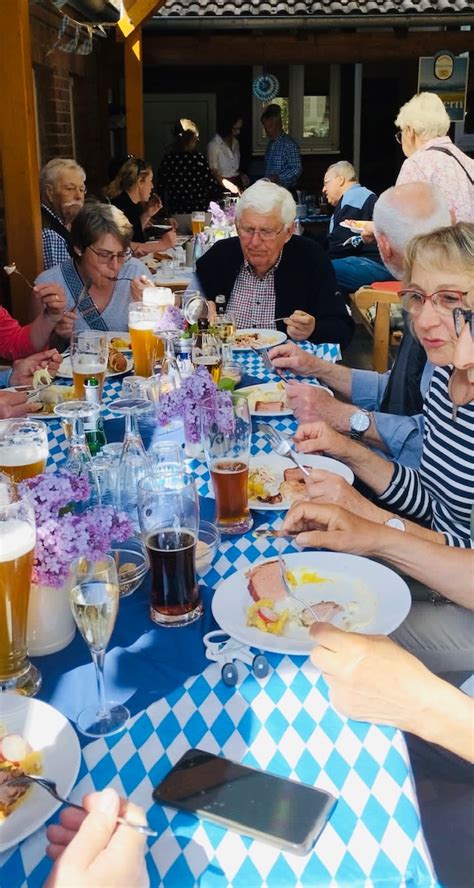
point(283, 724)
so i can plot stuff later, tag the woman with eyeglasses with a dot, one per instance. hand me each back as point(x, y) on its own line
point(102, 277)
point(131, 192)
point(432, 157)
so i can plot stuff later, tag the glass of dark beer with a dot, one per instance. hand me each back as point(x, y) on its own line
point(168, 511)
point(227, 452)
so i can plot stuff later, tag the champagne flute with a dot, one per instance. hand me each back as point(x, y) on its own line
point(94, 601)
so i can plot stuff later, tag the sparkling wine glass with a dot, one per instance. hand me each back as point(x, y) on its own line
point(169, 378)
point(94, 600)
point(134, 463)
point(79, 462)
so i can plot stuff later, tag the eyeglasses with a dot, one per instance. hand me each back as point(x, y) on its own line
point(267, 234)
point(444, 301)
point(461, 317)
point(105, 257)
point(399, 136)
point(71, 189)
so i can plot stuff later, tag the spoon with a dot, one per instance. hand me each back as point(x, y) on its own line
point(50, 786)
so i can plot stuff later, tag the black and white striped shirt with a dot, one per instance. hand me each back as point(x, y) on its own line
point(441, 491)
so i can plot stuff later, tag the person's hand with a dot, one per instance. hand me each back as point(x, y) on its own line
point(369, 677)
point(168, 241)
point(137, 287)
point(300, 325)
point(92, 850)
point(53, 298)
point(328, 526)
point(367, 233)
point(23, 369)
point(310, 402)
point(327, 487)
point(290, 356)
point(14, 404)
point(65, 327)
point(319, 437)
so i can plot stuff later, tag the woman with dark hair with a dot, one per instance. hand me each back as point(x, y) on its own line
point(184, 178)
point(131, 192)
point(223, 154)
point(102, 278)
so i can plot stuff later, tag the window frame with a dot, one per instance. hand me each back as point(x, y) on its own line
point(313, 145)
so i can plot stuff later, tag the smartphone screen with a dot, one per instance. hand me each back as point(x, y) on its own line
point(283, 812)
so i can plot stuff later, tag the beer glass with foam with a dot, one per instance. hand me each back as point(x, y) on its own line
point(17, 547)
point(227, 448)
point(168, 509)
point(89, 355)
point(23, 448)
point(147, 347)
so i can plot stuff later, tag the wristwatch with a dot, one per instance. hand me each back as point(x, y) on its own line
point(395, 522)
point(359, 422)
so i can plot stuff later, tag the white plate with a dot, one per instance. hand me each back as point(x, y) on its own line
point(278, 464)
point(48, 731)
point(354, 225)
point(264, 388)
point(268, 339)
point(65, 369)
point(35, 414)
point(382, 600)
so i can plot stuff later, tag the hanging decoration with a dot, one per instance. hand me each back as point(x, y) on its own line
point(265, 87)
point(84, 32)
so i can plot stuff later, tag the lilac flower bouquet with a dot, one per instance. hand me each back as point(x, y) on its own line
point(62, 536)
point(222, 218)
point(171, 319)
point(185, 403)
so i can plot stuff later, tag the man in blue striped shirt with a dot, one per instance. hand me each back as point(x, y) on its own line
point(282, 156)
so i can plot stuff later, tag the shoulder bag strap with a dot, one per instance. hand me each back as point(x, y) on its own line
point(447, 151)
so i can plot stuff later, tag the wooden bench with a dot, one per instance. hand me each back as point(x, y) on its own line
point(382, 296)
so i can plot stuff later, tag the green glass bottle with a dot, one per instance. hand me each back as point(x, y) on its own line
point(94, 428)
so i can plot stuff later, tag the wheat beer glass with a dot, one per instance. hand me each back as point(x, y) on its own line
point(23, 448)
point(89, 355)
point(147, 348)
point(227, 454)
point(17, 547)
point(168, 509)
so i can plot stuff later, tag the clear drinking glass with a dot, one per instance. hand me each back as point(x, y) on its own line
point(227, 455)
point(166, 456)
point(79, 460)
point(169, 378)
point(17, 549)
point(168, 508)
point(224, 325)
point(207, 352)
point(133, 463)
point(89, 355)
point(23, 448)
point(94, 602)
point(147, 348)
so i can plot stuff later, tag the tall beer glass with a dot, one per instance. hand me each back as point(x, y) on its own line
point(89, 355)
point(168, 510)
point(17, 546)
point(23, 448)
point(147, 348)
point(227, 454)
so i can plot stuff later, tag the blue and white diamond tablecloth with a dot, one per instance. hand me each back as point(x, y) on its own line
point(285, 725)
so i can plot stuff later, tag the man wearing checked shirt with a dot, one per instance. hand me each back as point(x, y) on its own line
point(282, 157)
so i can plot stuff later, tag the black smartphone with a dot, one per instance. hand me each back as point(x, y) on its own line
point(276, 810)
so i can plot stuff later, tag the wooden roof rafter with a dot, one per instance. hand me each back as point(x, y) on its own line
point(136, 13)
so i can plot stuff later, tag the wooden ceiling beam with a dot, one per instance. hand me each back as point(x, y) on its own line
point(135, 14)
point(343, 47)
point(134, 92)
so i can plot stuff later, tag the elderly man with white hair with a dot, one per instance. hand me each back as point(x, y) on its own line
point(63, 189)
point(268, 273)
point(382, 409)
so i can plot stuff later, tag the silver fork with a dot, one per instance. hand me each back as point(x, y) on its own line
point(280, 445)
point(290, 591)
point(263, 353)
point(50, 786)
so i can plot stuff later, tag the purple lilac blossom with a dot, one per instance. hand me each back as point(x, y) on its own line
point(186, 401)
point(172, 318)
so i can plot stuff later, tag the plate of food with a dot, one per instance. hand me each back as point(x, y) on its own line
point(119, 340)
point(355, 225)
point(34, 739)
point(349, 591)
point(118, 363)
point(269, 398)
point(245, 340)
point(47, 397)
point(275, 483)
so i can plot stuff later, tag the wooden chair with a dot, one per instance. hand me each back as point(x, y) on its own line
point(382, 295)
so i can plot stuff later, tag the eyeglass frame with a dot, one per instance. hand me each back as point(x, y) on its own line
point(122, 257)
point(434, 298)
point(398, 136)
point(248, 232)
point(468, 316)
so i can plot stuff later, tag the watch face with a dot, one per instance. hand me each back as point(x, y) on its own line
point(360, 421)
point(395, 522)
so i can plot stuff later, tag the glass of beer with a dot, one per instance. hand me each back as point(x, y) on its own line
point(17, 548)
point(206, 352)
point(198, 222)
point(227, 449)
point(89, 355)
point(168, 509)
point(23, 448)
point(147, 347)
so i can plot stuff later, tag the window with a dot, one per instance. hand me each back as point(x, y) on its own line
point(309, 99)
